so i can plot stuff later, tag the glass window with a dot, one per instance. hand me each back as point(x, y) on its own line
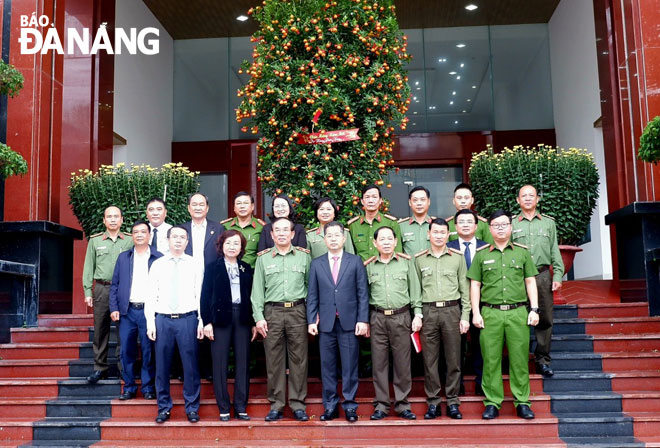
point(214, 185)
point(440, 181)
point(240, 49)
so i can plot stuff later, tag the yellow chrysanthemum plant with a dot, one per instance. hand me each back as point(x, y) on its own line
point(129, 188)
point(566, 180)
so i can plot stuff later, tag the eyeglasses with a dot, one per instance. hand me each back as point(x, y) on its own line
point(500, 226)
point(462, 223)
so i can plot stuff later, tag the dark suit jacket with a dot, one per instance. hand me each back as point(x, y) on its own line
point(122, 279)
point(457, 244)
point(216, 294)
point(349, 297)
point(213, 232)
point(266, 241)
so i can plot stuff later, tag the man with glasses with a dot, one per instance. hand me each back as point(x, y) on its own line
point(502, 281)
point(415, 229)
point(249, 226)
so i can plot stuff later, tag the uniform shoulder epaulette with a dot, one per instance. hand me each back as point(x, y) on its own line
point(547, 216)
point(402, 219)
point(224, 221)
point(449, 218)
point(481, 218)
point(482, 247)
point(312, 230)
point(352, 220)
point(261, 221)
point(420, 253)
point(302, 249)
point(520, 245)
point(402, 255)
point(456, 251)
point(265, 251)
point(95, 235)
point(128, 234)
point(393, 218)
point(369, 260)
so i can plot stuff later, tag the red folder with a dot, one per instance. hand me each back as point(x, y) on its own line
point(417, 343)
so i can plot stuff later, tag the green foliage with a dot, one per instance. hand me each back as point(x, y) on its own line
point(344, 58)
point(649, 142)
point(11, 80)
point(11, 162)
point(566, 181)
point(130, 189)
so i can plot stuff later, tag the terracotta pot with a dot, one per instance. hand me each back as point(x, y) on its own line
point(567, 257)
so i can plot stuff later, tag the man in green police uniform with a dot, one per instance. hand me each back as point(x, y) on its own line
point(539, 233)
point(249, 226)
point(415, 230)
point(102, 252)
point(463, 199)
point(278, 306)
point(502, 280)
point(362, 228)
point(393, 291)
point(446, 309)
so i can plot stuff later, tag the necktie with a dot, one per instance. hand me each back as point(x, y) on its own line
point(335, 268)
point(468, 256)
point(154, 240)
point(174, 295)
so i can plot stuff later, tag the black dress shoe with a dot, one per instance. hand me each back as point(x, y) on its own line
point(524, 411)
point(149, 396)
point(490, 412)
point(432, 412)
point(242, 416)
point(273, 415)
point(300, 415)
point(163, 417)
point(224, 417)
point(378, 415)
point(407, 415)
point(453, 412)
point(330, 414)
point(127, 396)
point(96, 376)
point(193, 417)
point(351, 415)
point(545, 370)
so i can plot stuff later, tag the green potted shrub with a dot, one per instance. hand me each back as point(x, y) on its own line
point(11, 162)
point(649, 142)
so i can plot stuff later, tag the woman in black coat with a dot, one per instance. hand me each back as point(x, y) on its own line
point(227, 316)
point(282, 208)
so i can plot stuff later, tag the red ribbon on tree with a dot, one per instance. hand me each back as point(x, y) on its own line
point(325, 137)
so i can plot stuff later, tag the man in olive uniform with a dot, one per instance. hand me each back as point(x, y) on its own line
point(446, 309)
point(463, 199)
point(502, 280)
point(278, 306)
point(415, 229)
point(539, 233)
point(102, 252)
point(362, 228)
point(249, 226)
point(394, 292)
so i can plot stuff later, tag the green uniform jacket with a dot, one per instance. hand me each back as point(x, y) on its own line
point(279, 278)
point(415, 236)
point(539, 235)
point(362, 234)
point(395, 284)
point(101, 257)
point(316, 242)
point(482, 233)
point(251, 232)
point(444, 278)
point(502, 273)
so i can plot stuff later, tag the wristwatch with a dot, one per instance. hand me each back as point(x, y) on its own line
point(536, 310)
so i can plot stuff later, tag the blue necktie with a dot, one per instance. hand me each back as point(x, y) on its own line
point(468, 257)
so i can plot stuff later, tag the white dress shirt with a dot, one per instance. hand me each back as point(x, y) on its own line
point(163, 274)
point(473, 246)
point(163, 244)
point(234, 281)
point(140, 280)
point(330, 259)
point(198, 236)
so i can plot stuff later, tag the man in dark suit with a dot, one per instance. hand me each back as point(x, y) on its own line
point(338, 306)
point(466, 222)
point(128, 291)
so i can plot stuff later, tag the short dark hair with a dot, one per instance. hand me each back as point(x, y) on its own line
point(419, 188)
point(242, 193)
point(115, 206)
point(497, 213)
point(140, 222)
point(169, 231)
point(333, 224)
point(463, 186)
point(288, 200)
point(381, 228)
point(467, 211)
point(320, 201)
point(156, 199)
point(228, 234)
point(206, 198)
point(370, 187)
point(527, 185)
point(439, 222)
point(282, 218)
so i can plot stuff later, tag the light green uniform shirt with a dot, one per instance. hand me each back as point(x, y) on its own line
point(362, 234)
point(540, 236)
point(502, 273)
point(444, 278)
point(101, 257)
point(482, 233)
point(316, 242)
point(415, 236)
point(395, 284)
point(279, 278)
point(251, 233)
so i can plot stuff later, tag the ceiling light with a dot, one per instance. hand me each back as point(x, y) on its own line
point(458, 77)
point(451, 102)
point(465, 111)
point(414, 124)
point(414, 113)
point(452, 73)
point(442, 60)
point(417, 101)
point(242, 18)
point(419, 88)
point(456, 122)
point(469, 100)
point(462, 65)
point(471, 7)
point(453, 93)
point(416, 83)
point(460, 45)
point(414, 97)
point(474, 87)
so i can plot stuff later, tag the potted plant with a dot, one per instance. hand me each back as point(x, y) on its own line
point(566, 180)
point(649, 142)
point(11, 162)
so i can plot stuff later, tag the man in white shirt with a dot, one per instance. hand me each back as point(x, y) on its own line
point(173, 317)
point(156, 214)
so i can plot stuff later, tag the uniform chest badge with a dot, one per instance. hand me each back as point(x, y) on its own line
point(489, 261)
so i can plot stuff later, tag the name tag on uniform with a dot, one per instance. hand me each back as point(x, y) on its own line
point(517, 230)
point(360, 234)
point(101, 247)
point(408, 233)
point(425, 268)
point(489, 261)
point(453, 233)
point(271, 266)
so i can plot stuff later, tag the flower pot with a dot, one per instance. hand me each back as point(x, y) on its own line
point(567, 257)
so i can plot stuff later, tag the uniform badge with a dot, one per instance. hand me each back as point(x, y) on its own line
point(489, 261)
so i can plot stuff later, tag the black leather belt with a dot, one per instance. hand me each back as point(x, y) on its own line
point(178, 316)
point(444, 304)
point(390, 312)
point(137, 306)
point(102, 282)
point(287, 304)
point(543, 268)
point(508, 307)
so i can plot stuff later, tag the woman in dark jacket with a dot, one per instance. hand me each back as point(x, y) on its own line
point(227, 316)
point(282, 208)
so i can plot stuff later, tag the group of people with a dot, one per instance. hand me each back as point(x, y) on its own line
point(202, 287)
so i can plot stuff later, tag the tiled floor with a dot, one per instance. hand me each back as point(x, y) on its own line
point(590, 291)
